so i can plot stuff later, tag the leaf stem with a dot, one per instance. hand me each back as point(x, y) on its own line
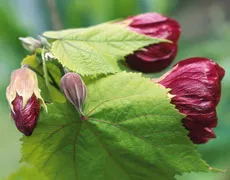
point(45, 69)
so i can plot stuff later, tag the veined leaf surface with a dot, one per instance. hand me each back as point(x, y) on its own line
point(98, 49)
point(131, 132)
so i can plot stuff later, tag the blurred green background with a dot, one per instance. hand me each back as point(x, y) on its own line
point(205, 32)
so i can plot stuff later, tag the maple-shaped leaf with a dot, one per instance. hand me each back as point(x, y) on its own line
point(131, 132)
point(98, 49)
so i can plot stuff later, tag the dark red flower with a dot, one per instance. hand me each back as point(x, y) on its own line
point(196, 84)
point(155, 57)
point(25, 118)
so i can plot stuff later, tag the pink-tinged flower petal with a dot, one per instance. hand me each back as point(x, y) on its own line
point(158, 56)
point(196, 84)
point(25, 118)
point(24, 99)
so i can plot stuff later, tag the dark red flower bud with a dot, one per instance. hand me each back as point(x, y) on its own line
point(25, 118)
point(155, 57)
point(195, 84)
point(24, 99)
point(74, 89)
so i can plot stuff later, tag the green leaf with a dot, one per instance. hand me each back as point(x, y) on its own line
point(30, 60)
point(131, 131)
point(27, 172)
point(98, 49)
point(55, 73)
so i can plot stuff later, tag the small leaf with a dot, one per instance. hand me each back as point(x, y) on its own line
point(30, 60)
point(55, 73)
point(98, 49)
point(131, 132)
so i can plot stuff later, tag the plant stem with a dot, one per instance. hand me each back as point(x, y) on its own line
point(54, 15)
point(45, 69)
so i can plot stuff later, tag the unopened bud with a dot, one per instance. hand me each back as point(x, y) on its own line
point(24, 99)
point(74, 89)
point(30, 44)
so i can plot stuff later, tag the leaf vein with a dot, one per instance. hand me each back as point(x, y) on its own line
point(107, 151)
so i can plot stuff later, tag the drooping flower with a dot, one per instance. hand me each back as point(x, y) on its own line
point(155, 57)
point(195, 84)
point(24, 99)
point(74, 89)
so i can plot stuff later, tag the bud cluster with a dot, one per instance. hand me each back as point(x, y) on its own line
point(24, 97)
point(194, 83)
